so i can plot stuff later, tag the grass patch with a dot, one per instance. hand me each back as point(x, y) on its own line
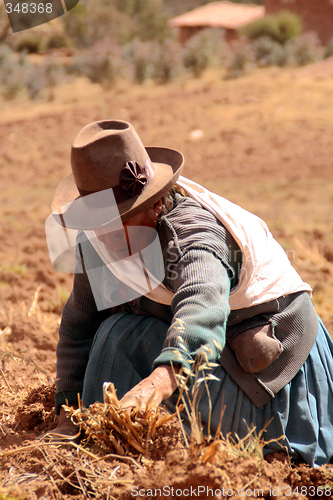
point(10, 494)
point(21, 269)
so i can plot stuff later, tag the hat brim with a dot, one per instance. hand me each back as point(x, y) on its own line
point(70, 209)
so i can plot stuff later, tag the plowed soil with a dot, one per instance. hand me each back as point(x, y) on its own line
point(265, 142)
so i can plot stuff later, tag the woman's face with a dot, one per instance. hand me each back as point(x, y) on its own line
point(137, 233)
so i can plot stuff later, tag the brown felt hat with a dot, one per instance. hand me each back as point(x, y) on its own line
point(113, 174)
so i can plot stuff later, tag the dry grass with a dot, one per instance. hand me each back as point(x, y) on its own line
point(12, 314)
point(115, 439)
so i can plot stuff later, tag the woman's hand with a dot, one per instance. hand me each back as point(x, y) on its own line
point(158, 386)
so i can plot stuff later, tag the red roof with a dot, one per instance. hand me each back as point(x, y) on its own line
point(219, 15)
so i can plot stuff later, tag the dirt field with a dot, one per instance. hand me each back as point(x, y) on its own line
point(265, 142)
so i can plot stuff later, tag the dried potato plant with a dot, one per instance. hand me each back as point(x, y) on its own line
point(127, 433)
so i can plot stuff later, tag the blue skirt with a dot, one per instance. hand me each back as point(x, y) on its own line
point(126, 345)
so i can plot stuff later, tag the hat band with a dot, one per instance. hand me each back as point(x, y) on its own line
point(133, 180)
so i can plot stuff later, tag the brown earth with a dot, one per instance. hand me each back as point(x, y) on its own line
point(265, 142)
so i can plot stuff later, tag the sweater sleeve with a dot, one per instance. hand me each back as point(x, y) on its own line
point(200, 309)
point(79, 323)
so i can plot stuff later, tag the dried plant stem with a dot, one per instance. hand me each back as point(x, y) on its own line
point(111, 427)
point(4, 429)
point(210, 407)
point(82, 486)
point(130, 459)
point(19, 356)
point(56, 487)
point(23, 449)
point(182, 427)
point(5, 380)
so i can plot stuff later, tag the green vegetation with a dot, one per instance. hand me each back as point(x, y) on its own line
point(305, 49)
point(110, 40)
point(204, 49)
point(329, 49)
point(281, 28)
point(10, 494)
point(15, 268)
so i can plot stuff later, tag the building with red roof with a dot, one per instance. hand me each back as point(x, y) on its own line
point(224, 15)
point(316, 15)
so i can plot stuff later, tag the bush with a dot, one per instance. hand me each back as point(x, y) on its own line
point(329, 49)
point(157, 61)
point(105, 21)
point(53, 74)
point(56, 41)
point(77, 27)
point(35, 81)
point(93, 20)
point(152, 21)
point(102, 63)
point(12, 75)
point(240, 57)
point(5, 54)
point(29, 43)
point(40, 38)
point(12, 84)
point(305, 49)
point(140, 55)
point(281, 27)
point(202, 50)
point(267, 52)
point(165, 62)
point(17, 74)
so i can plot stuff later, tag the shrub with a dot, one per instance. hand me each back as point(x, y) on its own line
point(52, 74)
point(281, 27)
point(76, 26)
point(94, 20)
point(152, 21)
point(102, 63)
point(108, 22)
point(202, 50)
point(12, 72)
point(158, 61)
point(267, 52)
point(305, 49)
point(140, 57)
point(29, 42)
point(165, 62)
point(12, 79)
point(12, 85)
point(5, 53)
point(98, 68)
point(35, 81)
point(240, 57)
point(56, 41)
point(329, 49)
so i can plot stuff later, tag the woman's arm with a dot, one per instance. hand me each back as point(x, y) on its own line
point(200, 309)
